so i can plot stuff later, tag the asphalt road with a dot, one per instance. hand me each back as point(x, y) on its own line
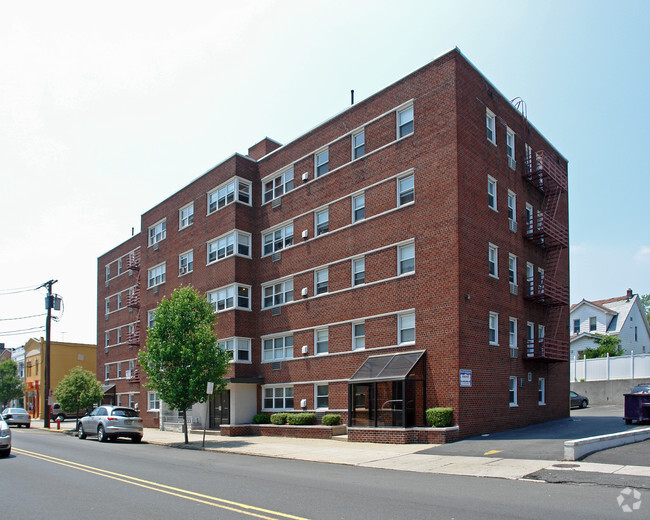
point(58, 476)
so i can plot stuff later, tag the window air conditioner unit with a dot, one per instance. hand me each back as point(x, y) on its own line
point(276, 203)
point(513, 226)
point(305, 349)
point(305, 233)
point(156, 246)
point(305, 176)
point(276, 257)
point(512, 163)
point(156, 290)
point(275, 311)
point(182, 270)
point(514, 352)
point(305, 291)
point(303, 403)
point(514, 289)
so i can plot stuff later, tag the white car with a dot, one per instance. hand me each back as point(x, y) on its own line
point(5, 438)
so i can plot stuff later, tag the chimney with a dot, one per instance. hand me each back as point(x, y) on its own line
point(629, 294)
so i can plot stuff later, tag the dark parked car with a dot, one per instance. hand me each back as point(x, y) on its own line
point(58, 413)
point(578, 401)
point(110, 422)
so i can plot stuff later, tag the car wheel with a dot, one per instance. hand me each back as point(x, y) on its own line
point(136, 439)
point(583, 404)
point(5, 453)
point(82, 433)
point(101, 434)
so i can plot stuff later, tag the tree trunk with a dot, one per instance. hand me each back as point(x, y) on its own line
point(187, 441)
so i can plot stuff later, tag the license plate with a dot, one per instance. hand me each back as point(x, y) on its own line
point(128, 421)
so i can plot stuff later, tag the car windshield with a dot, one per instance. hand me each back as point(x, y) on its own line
point(124, 412)
point(15, 410)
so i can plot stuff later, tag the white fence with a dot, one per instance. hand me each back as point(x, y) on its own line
point(604, 369)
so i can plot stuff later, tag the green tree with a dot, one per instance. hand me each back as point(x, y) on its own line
point(181, 355)
point(606, 345)
point(645, 299)
point(11, 387)
point(79, 389)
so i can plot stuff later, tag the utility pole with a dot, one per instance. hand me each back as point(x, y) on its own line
point(49, 303)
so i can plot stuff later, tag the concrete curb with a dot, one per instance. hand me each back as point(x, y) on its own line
point(578, 448)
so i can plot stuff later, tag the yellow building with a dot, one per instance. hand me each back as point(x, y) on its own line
point(63, 358)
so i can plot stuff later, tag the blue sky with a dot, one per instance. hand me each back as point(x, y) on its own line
point(106, 109)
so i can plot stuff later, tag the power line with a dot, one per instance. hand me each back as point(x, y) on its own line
point(24, 317)
point(21, 331)
point(17, 290)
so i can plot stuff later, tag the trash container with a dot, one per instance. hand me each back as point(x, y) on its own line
point(637, 408)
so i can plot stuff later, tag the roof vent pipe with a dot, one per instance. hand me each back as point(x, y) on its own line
point(352, 97)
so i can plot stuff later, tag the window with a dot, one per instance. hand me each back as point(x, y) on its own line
point(278, 239)
point(185, 263)
point(513, 391)
point(156, 275)
point(358, 336)
point(322, 221)
point(278, 398)
point(157, 232)
point(530, 278)
point(224, 299)
point(119, 336)
point(225, 246)
point(512, 337)
point(119, 301)
point(541, 334)
point(277, 294)
point(406, 326)
point(151, 316)
point(278, 185)
point(322, 392)
point(406, 259)
point(405, 122)
point(226, 194)
point(153, 402)
point(529, 218)
point(492, 193)
point(592, 323)
point(322, 281)
point(530, 338)
point(358, 207)
point(529, 158)
point(274, 349)
point(512, 269)
point(541, 391)
point(119, 266)
point(358, 144)
point(119, 369)
point(512, 206)
point(490, 123)
point(405, 190)
point(322, 341)
point(358, 271)
point(108, 272)
point(107, 371)
point(186, 216)
point(131, 400)
point(107, 339)
point(510, 148)
point(493, 325)
point(576, 326)
point(321, 160)
point(239, 349)
point(107, 305)
point(493, 260)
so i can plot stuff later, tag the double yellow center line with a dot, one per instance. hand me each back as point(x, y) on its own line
point(208, 500)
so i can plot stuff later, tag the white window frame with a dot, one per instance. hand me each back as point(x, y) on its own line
point(319, 396)
point(491, 127)
point(278, 393)
point(530, 278)
point(530, 337)
point(281, 347)
point(510, 143)
point(231, 189)
point(151, 317)
point(512, 206)
point(119, 369)
point(541, 391)
point(321, 162)
point(278, 238)
point(406, 253)
point(107, 306)
point(157, 232)
point(358, 340)
point(358, 207)
point(281, 292)
point(321, 338)
point(131, 400)
point(156, 275)
point(512, 333)
point(576, 326)
point(119, 266)
point(541, 333)
point(276, 186)
point(153, 402)
point(512, 391)
point(321, 281)
point(404, 337)
point(186, 263)
point(235, 240)
point(119, 337)
point(119, 301)
point(321, 226)
point(108, 273)
point(356, 263)
point(230, 292)
point(236, 346)
point(186, 216)
point(492, 193)
point(107, 372)
point(358, 148)
point(406, 195)
point(493, 260)
point(405, 120)
point(530, 218)
point(512, 269)
point(595, 323)
point(493, 325)
point(107, 339)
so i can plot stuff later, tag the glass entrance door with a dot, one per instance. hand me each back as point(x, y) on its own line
point(220, 409)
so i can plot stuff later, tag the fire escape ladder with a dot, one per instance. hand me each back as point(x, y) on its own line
point(133, 260)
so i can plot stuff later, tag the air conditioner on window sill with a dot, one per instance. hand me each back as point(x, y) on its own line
point(182, 270)
point(304, 291)
point(513, 225)
point(305, 176)
point(156, 246)
point(514, 289)
point(514, 352)
point(305, 349)
point(512, 163)
point(305, 234)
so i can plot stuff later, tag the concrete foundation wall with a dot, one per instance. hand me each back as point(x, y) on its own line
point(607, 392)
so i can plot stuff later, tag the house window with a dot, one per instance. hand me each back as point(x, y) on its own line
point(490, 123)
point(405, 122)
point(493, 324)
point(321, 161)
point(322, 392)
point(278, 398)
point(277, 294)
point(492, 193)
point(530, 278)
point(278, 185)
point(186, 216)
point(529, 158)
point(510, 148)
point(530, 338)
point(119, 266)
point(512, 337)
point(225, 246)
point(224, 299)
point(223, 195)
point(185, 263)
point(541, 391)
point(512, 269)
point(529, 218)
point(406, 328)
point(274, 349)
point(157, 232)
point(358, 271)
point(358, 144)
point(119, 301)
point(107, 339)
point(322, 280)
point(108, 273)
point(156, 275)
point(119, 369)
point(541, 333)
point(358, 336)
point(513, 391)
point(322, 221)
point(119, 336)
point(592, 323)
point(322, 341)
point(107, 371)
point(131, 400)
point(107, 305)
point(512, 206)
point(406, 259)
point(576, 326)
point(358, 207)
point(239, 349)
point(153, 402)
point(405, 190)
point(151, 317)
point(278, 239)
point(493, 260)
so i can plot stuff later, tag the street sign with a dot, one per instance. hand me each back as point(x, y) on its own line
point(465, 377)
point(210, 388)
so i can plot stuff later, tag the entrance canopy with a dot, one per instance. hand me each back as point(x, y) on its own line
point(387, 367)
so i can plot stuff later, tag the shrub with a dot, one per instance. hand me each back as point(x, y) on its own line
point(261, 418)
point(331, 419)
point(301, 418)
point(279, 418)
point(439, 417)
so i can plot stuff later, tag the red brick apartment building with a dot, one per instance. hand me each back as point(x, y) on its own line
point(411, 252)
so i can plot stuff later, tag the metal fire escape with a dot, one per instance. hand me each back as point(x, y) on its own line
point(543, 229)
point(133, 303)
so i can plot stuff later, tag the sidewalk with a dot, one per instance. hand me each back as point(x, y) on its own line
point(400, 457)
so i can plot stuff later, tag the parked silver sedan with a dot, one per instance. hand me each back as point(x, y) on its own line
point(110, 422)
point(5, 438)
point(17, 416)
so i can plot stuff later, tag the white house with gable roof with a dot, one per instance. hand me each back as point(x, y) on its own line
point(624, 317)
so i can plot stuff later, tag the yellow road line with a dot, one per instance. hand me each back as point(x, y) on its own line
point(222, 503)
